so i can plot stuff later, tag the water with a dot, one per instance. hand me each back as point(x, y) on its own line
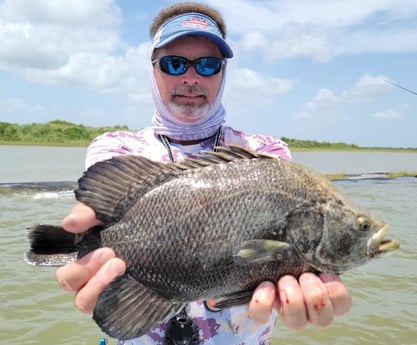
point(33, 310)
point(349, 162)
point(39, 163)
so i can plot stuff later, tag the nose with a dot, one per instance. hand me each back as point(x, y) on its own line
point(191, 76)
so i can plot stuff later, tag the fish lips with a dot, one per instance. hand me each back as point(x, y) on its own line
point(378, 244)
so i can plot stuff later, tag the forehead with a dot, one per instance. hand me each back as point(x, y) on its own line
point(190, 45)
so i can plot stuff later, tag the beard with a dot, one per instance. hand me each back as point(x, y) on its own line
point(189, 112)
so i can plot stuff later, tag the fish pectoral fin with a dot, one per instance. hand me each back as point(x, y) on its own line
point(231, 300)
point(126, 309)
point(258, 251)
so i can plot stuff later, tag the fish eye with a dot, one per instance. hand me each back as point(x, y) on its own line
point(363, 223)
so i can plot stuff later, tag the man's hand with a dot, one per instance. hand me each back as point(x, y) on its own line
point(312, 299)
point(89, 275)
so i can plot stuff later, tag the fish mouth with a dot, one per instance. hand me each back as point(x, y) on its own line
point(378, 244)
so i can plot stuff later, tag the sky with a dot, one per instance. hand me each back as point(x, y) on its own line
point(304, 69)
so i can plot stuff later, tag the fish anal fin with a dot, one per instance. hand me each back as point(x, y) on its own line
point(258, 251)
point(126, 309)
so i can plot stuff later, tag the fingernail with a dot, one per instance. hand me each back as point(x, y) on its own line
point(284, 296)
point(329, 277)
point(72, 218)
point(308, 277)
point(64, 285)
point(117, 267)
point(68, 223)
point(105, 255)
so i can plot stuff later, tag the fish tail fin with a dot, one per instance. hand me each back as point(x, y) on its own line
point(50, 246)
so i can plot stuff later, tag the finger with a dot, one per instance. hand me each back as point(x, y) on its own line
point(338, 293)
point(86, 298)
point(291, 303)
point(74, 275)
point(80, 219)
point(318, 304)
point(263, 299)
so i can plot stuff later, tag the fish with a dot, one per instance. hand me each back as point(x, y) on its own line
point(209, 228)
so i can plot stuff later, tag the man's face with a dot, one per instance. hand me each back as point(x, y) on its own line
point(188, 95)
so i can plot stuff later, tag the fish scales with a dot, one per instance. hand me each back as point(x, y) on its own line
point(184, 220)
point(209, 228)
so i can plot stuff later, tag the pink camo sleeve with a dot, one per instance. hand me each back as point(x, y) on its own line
point(257, 142)
point(113, 144)
point(275, 147)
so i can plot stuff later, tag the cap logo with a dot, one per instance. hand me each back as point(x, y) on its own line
point(198, 23)
point(191, 24)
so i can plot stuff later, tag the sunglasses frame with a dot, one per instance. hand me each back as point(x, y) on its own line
point(188, 64)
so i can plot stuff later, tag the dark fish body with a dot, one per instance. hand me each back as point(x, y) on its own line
point(209, 228)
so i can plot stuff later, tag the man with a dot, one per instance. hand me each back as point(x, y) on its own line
point(188, 63)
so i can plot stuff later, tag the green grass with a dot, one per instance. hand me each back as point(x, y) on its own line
point(53, 133)
point(402, 174)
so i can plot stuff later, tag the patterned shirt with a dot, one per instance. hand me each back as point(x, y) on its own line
point(230, 326)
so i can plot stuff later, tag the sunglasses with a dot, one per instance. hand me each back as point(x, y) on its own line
point(178, 65)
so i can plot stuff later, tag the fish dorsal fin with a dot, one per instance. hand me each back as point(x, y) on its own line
point(222, 155)
point(110, 185)
point(235, 152)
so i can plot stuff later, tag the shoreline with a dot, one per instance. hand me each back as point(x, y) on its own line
point(292, 148)
point(63, 133)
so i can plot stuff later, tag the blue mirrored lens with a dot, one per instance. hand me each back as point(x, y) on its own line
point(177, 65)
point(208, 66)
point(174, 65)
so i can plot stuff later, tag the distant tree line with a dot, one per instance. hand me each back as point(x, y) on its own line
point(59, 132)
point(55, 132)
point(313, 144)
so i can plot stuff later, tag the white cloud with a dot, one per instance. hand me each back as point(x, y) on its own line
point(43, 35)
point(252, 99)
point(72, 43)
point(250, 84)
point(253, 40)
point(389, 114)
point(99, 71)
point(326, 104)
point(77, 41)
point(367, 87)
point(61, 12)
point(293, 42)
point(247, 79)
point(323, 29)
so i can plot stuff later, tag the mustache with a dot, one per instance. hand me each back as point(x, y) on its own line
point(189, 90)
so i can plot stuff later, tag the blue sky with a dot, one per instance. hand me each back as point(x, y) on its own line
point(305, 69)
